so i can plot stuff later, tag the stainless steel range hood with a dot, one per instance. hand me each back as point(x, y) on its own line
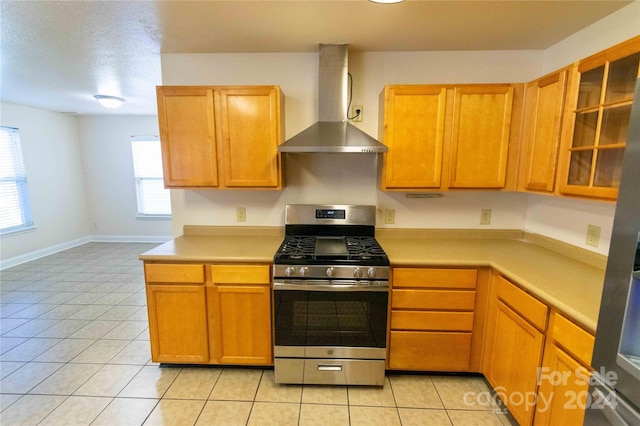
point(332, 133)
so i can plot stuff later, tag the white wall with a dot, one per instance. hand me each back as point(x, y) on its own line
point(566, 218)
point(51, 152)
point(317, 178)
point(105, 142)
point(613, 29)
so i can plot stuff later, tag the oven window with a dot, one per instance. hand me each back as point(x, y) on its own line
point(326, 318)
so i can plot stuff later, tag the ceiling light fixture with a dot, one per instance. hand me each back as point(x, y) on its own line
point(109, 101)
point(386, 1)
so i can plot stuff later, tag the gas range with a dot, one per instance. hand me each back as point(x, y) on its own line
point(330, 242)
point(331, 294)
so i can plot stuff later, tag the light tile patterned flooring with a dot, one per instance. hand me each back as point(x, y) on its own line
point(74, 350)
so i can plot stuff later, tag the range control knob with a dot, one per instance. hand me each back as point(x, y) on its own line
point(331, 271)
point(290, 271)
point(371, 272)
point(304, 271)
point(357, 272)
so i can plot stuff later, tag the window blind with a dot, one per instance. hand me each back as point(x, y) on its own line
point(153, 198)
point(15, 209)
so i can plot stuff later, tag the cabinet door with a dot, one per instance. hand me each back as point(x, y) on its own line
point(178, 323)
point(249, 129)
point(544, 103)
point(480, 136)
point(513, 362)
point(564, 387)
point(241, 324)
point(597, 119)
point(414, 118)
point(187, 136)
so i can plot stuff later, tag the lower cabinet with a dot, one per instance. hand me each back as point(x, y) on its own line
point(177, 310)
point(209, 314)
point(432, 319)
point(239, 303)
point(536, 360)
point(563, 394)
point(513, 350)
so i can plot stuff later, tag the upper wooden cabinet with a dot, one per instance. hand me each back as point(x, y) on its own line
point(220, 137)
point(542, 121)
point(187, 136)
point(442, 137)
point(596, 120)
point(414, 133)
point(480, 136)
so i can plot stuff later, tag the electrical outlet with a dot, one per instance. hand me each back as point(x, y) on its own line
point(241, 214)
point(389, 216)
point(485, 216)
point(593, 235)
point(356, 113)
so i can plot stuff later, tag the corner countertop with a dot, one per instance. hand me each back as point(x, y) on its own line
point(571, 283)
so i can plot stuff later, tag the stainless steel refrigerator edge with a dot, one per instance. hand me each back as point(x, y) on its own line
point(614, 392)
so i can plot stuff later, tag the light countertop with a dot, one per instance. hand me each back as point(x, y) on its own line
point(566, 283)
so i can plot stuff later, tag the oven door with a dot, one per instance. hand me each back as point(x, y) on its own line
point(329, 332)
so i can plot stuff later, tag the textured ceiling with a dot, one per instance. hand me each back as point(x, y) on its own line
point(57, 54)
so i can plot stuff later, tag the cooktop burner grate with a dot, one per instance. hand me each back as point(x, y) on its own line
point(310, 248)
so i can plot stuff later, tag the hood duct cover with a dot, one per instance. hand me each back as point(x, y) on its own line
point(332, 133)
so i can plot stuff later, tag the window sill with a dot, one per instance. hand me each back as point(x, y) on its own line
point(18, 231)
point(153, 217)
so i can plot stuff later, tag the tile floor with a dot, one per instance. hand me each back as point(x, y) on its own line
point(74, 350)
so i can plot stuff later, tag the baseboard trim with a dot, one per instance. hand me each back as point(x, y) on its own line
point(37, 254)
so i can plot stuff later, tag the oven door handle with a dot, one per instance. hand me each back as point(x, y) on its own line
point(329, 287)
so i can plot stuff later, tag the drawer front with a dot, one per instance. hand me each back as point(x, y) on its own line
point(173, 273)
point(434, 321)
point(429, 351)
point(434, 278)
point(572, 337)
point(329, 371)
point(461, 300)
point(526, 305)
point(241, 274)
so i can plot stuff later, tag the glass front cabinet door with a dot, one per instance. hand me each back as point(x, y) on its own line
point(602, 89)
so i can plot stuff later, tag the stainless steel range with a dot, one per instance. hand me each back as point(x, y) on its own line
point(331, 293)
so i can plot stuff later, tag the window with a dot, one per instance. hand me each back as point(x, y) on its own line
point(153, 198)
point(15, 209)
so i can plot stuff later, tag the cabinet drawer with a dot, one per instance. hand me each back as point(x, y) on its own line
point(241, 274)
point(429, 351)
point(573, 338)
point(436, 321)
point(173, 273)
point(434, 278)
point(528, 306)
point(433, 299)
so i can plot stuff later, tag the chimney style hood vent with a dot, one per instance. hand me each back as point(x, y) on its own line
point(332, 133)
